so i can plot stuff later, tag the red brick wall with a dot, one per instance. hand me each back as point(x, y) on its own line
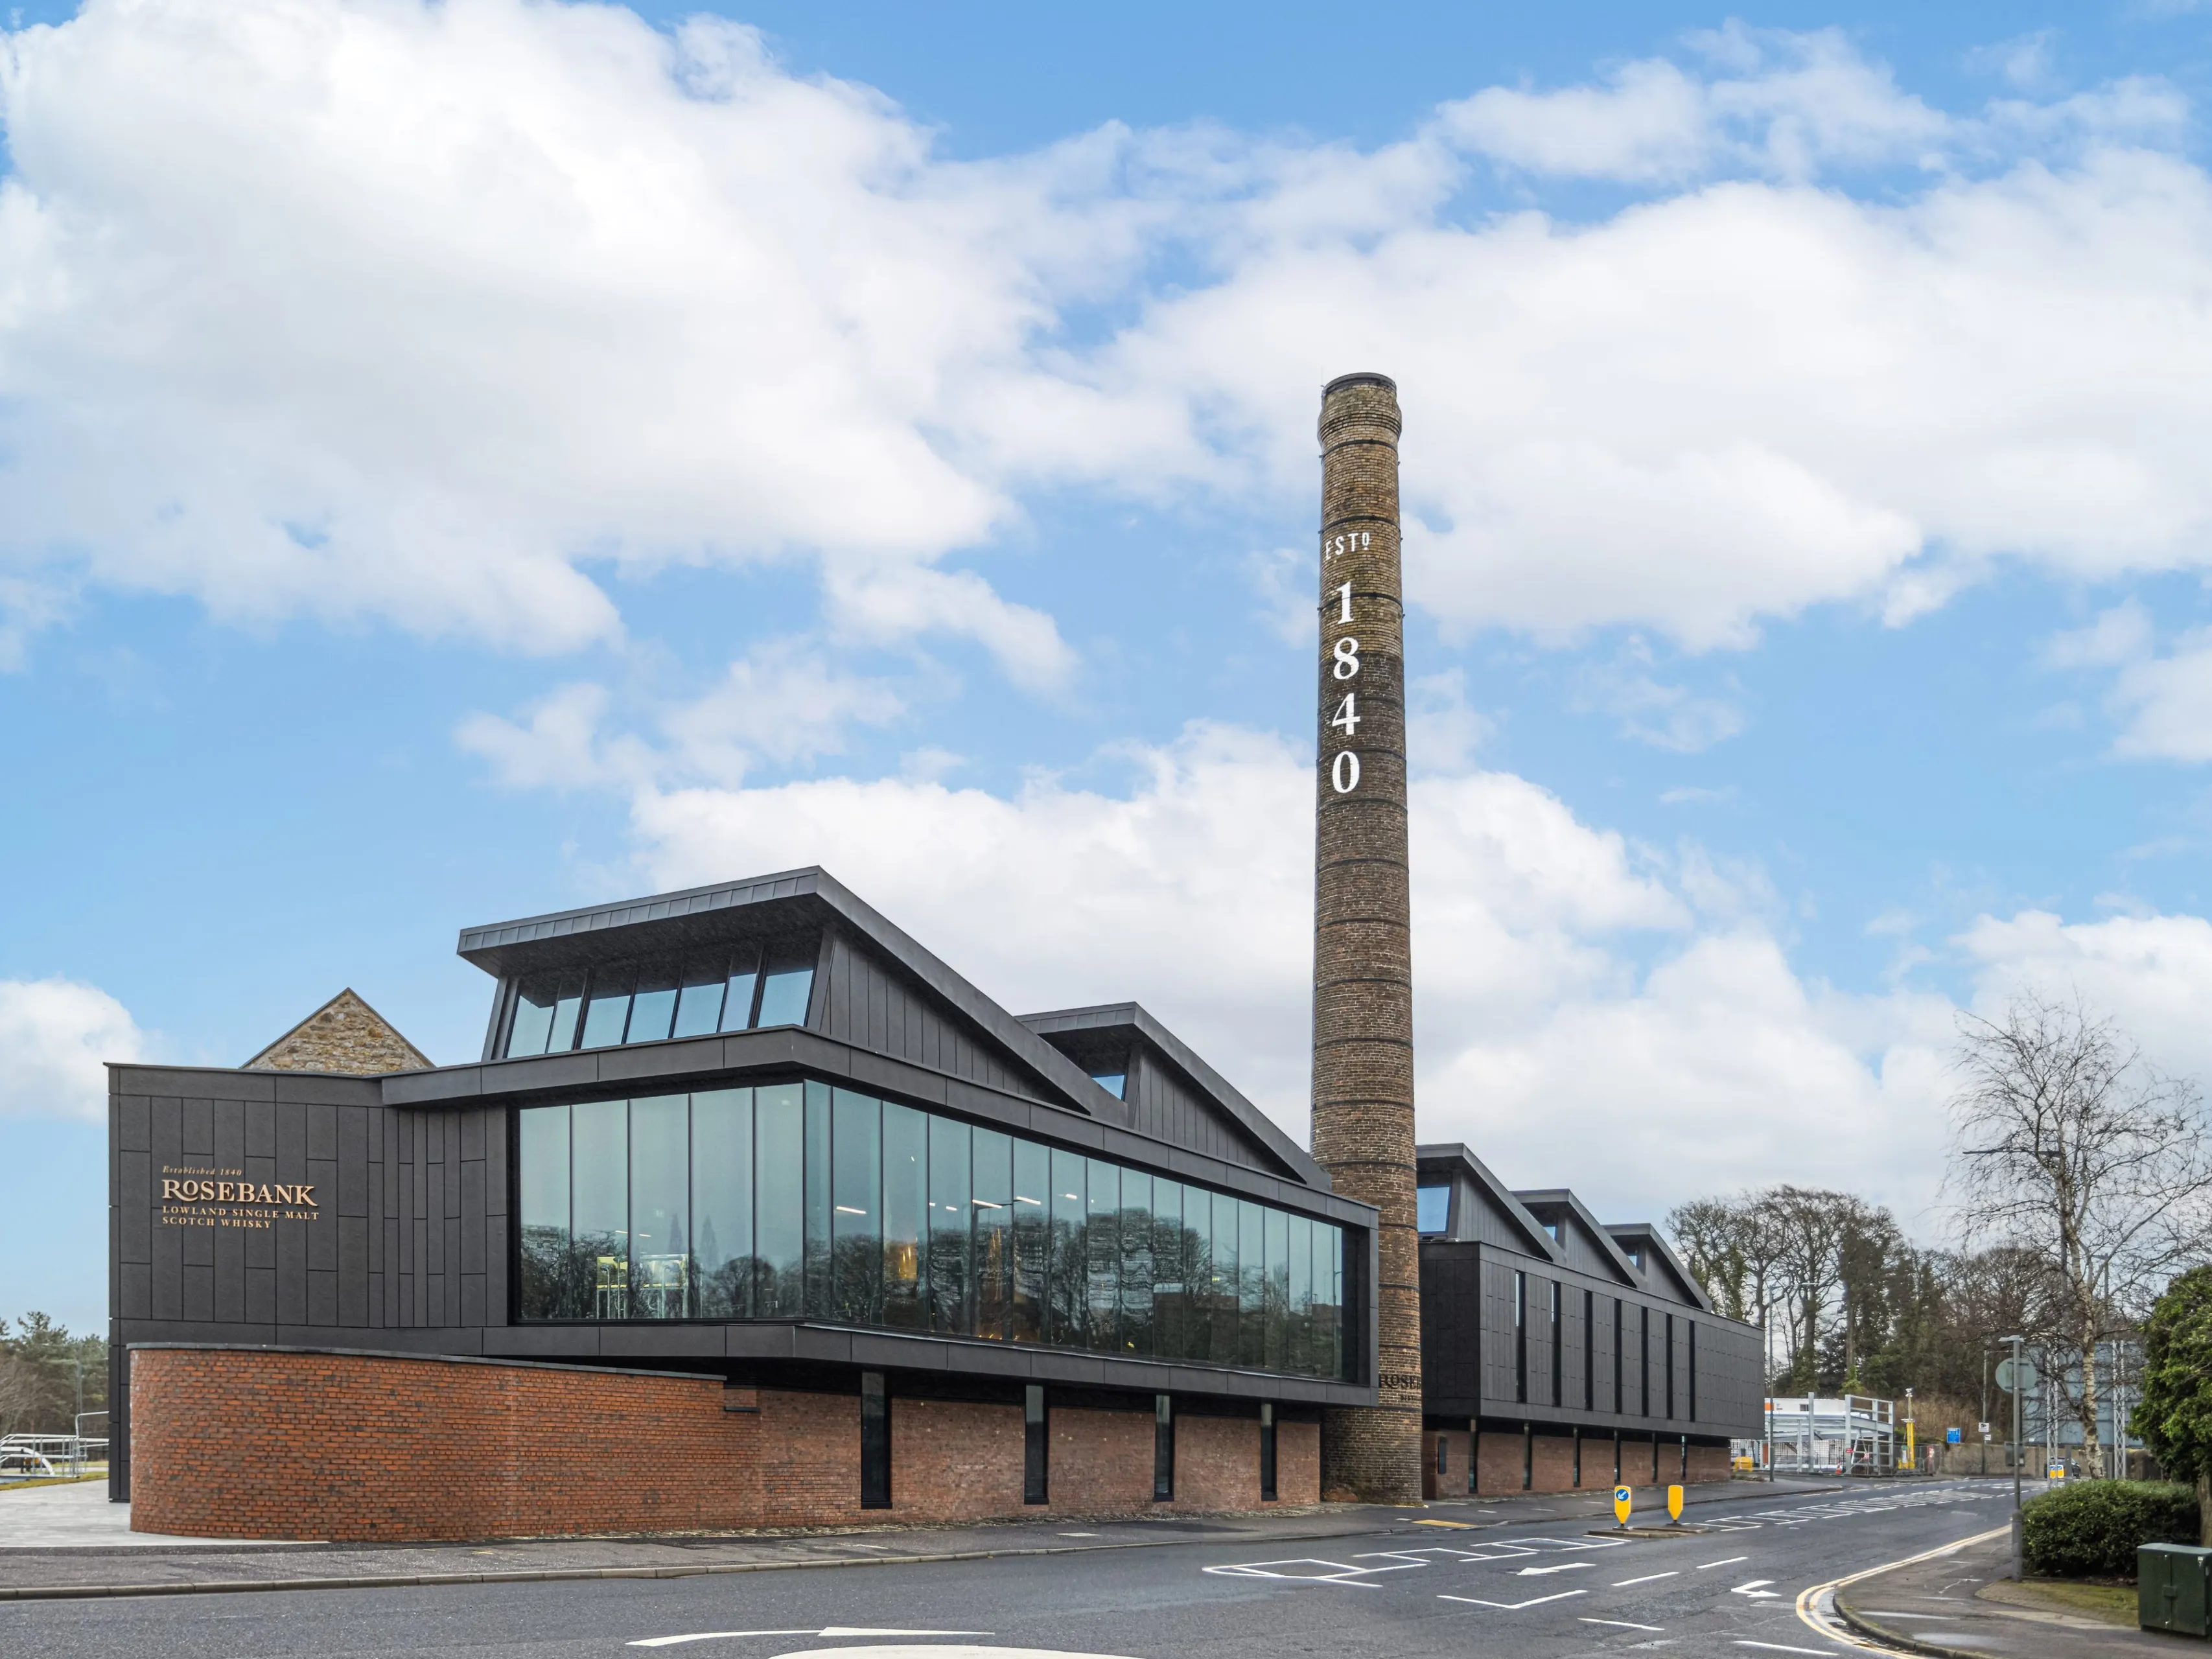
point(1710, 1463)
point(238, 1443)
point(1501, 1469)
point(1453, 1482)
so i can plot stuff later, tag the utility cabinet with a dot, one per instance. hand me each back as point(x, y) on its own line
point(2171, 1586)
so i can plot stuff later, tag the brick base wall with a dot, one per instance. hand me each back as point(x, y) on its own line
point(246, 1443)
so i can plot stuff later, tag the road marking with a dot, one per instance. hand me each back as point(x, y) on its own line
point(1777, 1647)
point(1564, 1566)
point(1513, 1607)
point(1756, 1589)
point(1622, 1623)
point(1809, 1600)
point(1078, 1534)
point(1704, 1566)
point(834, 1629)
point(1623, 1583)
point(1459, 1526)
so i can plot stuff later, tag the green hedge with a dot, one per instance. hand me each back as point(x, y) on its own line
point(2092, 1528)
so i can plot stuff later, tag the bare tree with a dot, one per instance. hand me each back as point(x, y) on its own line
point(2070, 1147)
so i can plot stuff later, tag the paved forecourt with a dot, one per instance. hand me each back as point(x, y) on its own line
point(1491, 1584)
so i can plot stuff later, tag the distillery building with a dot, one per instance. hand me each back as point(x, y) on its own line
point(752, 1212)
point(1559, 1352)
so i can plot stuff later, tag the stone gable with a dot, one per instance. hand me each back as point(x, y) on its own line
point(344, 1035)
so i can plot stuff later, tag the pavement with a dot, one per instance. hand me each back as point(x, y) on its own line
point(1523, 1578)
point(1947, 1606)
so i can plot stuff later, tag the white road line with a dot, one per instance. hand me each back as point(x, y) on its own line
point(1756, 1589)
point(1776, 1647)
point(1622, 1623)
point(1706, 1566)
point(1564, 1566)
point(1623, 1583)
point(1512, 1606)
point(834, 1629)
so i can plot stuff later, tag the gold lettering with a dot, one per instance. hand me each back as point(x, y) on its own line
point(223, 1189)
point(169, 1189)
point(307, 1197)
point(266, 1197)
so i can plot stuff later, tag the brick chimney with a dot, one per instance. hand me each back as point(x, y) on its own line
point(1363, 1027)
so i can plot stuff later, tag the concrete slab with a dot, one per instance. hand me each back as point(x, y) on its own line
point(78, 1517)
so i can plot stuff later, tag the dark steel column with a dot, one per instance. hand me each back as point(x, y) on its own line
point(1363, 1057)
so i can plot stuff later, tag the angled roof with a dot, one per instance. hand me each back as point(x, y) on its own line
point(344, 1036)
point(1216, 1090)
point(1495, 1192)
point(1547, 1198)
point(1645, 1237)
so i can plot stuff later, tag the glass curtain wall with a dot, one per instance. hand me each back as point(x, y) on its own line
point(796, 1200)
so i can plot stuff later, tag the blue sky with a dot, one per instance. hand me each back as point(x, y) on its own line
point(458, 462)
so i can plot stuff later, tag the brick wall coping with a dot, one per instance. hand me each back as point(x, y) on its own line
point(431, 1359)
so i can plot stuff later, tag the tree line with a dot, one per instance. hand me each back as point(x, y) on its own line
point(40, 1368)
point(2079, 1186)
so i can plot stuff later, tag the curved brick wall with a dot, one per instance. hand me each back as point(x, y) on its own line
point(245, 1443)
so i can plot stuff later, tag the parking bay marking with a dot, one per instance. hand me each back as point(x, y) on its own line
point(1512, 1606)
point(1623, 1624)
point(1623, 1583)
point(1564, 1566)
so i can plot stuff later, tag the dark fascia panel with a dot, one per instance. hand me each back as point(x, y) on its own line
point(1133, 1018)
point(1559, 1198)
point(1446, 1159)
point(1644, 1235)
point(762, 904)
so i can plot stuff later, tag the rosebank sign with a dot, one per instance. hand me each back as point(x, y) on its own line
point(201, 1198)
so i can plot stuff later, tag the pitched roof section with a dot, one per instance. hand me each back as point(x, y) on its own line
point(809, 899)
point(1526, 1232)
point(1663, 1270)
point(1547, 1202)
point(344, 1036)
point(1163, 1103)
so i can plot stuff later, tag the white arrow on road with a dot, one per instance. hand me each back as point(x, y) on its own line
point(1756, 1590)
point(1564, 1566)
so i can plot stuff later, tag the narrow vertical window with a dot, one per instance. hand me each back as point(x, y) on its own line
point(1032, 1254)
point(856, 1225)
point(544, 1284)
point(1223, 1280)
point(906, 1215)
point(1171, 1253)
point(1267, 1451)
point(1136, 1220)
point(530, 1027)
point(1066, 1263)
point(1102, 1249)
point(1578, 1455)
point(994, 1204)
point(1643, 1361)
point(653, 1008)
point(779, 1192)
point(875, 1442)
point(1589, 1351)
point(1035, 1446)
point(1527, 1457)
point(1275, 1294)
point(599, 1196)
point(660, 1206)
point(1693, 1340)
point(1298, 1353)
point(1558, 1344)
point(1444, 1454)
point(817, 1202)
point(1521, 1338)
point(1162, 1449)
point(954, 1225)
point(1251, 1283)
point(1670, 1366)
point(722, 1202)
point(743, 986)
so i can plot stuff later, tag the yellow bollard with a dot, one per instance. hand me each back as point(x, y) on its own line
point(1620, 1505)
point(1674, 1504)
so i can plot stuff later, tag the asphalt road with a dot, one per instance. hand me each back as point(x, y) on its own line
point(1526, 1591)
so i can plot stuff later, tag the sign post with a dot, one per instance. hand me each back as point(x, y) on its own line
point(1622, 1506)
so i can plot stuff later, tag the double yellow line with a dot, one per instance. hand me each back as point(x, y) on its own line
point(1807, 1599)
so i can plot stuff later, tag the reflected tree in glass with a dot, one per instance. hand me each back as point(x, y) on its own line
point(1136, 1229)
point(952, 1218)
point(722, 1201)
point(600, 1208)
point(542, 1281)
point(660, 1204)
point(779, 1238)
point(993, 1202)
point(906, 1216)
point(856, 1201)
point(1032, 1243)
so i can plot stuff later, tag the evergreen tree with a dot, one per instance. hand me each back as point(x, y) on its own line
point(2175, 1417)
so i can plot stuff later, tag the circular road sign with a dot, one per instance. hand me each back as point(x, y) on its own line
point(2009, 1370)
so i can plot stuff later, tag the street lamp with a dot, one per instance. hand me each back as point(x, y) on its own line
point(2016, 1390)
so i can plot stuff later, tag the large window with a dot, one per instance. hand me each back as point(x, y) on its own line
point(721, 990)
point(799, 1200)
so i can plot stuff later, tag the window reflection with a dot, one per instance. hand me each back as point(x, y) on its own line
point(795, 1199)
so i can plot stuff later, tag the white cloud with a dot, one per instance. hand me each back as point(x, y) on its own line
point(1671, 717)
point(433, 314)
point(2163, 703)
point(2152, 973)
point(785, 703)
point(58, 1034)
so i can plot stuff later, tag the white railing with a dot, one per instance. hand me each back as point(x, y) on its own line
point(48, 1456)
